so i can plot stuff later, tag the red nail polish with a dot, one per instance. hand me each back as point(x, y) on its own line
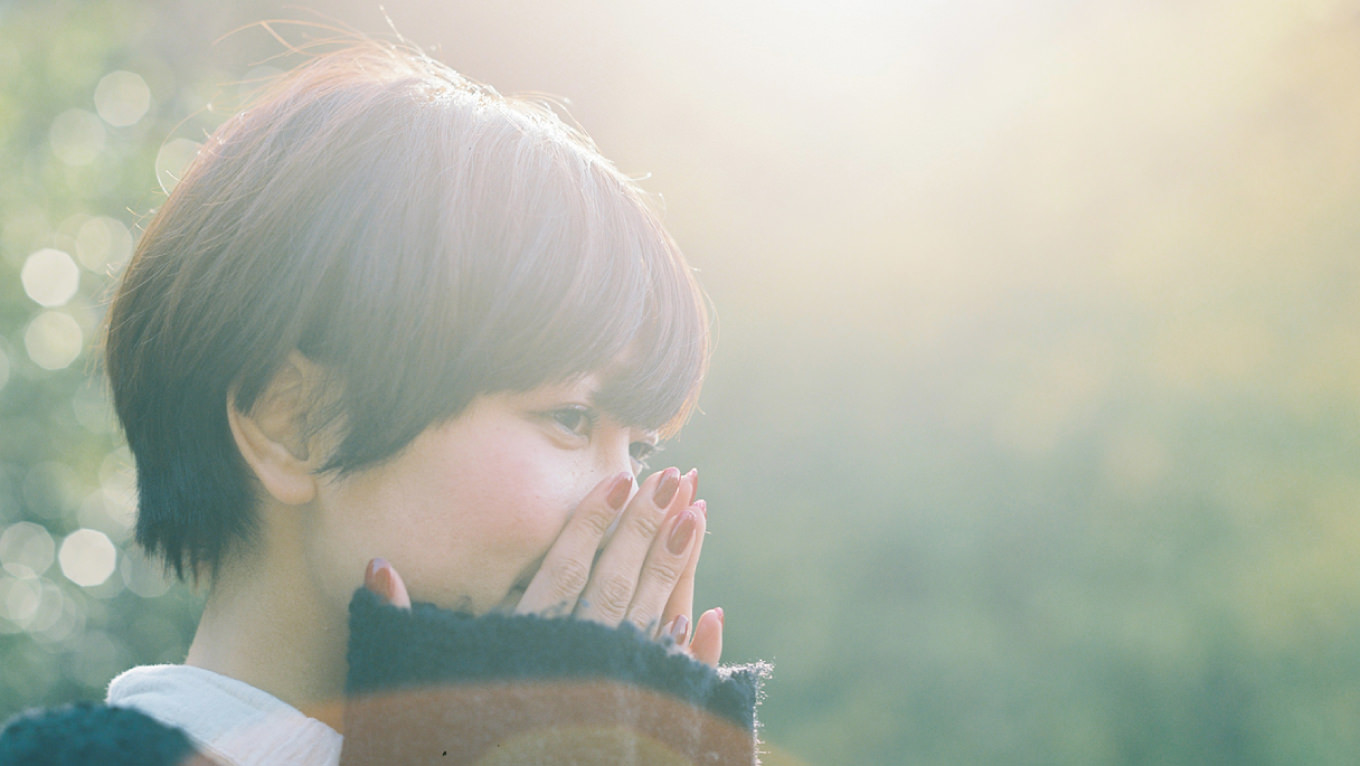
point(665, 491)
point(378, 578)
point(683, 532)
point(618, 494)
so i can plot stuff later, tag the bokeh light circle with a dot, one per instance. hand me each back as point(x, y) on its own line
point(87, 557)
point(172, 160)
point(26, 549)
point(122, 98)
point(7, 624)
point(69, 621)
point(103, 244)
point(142, 576)
point(53, 340)
point(49, 610)
point(77, 137)
point(50, 277)
point(20, 599)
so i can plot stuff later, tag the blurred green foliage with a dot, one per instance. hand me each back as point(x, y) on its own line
point(78, 185)
point(1030, 434)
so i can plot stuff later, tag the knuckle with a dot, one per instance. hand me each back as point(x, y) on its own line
point(597, 521)
point(613, 595)
point(667, 568)
point(646, 524)
point(568, 577)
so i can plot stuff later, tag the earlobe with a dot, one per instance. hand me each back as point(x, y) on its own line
point(272, 436)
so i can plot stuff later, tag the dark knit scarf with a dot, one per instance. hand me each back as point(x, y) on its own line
point(430, 686)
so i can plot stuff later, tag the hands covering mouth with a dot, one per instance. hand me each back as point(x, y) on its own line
point(642, 573)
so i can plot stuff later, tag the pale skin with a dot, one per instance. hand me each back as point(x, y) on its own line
point(508, 506)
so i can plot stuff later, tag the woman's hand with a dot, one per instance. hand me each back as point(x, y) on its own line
point(645, 573)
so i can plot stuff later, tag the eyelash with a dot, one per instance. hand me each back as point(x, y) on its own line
point(647, 450)
point(573, 418)
point(578, 416)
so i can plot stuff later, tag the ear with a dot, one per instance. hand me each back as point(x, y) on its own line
point(273, 436)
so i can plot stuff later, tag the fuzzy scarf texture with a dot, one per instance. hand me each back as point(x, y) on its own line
point(528, 689)
point(87, 733)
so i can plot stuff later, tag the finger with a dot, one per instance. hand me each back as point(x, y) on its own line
point(383, 580)
point(707, 644)
point(678, 630)
point(566, 567)
point(682, 597)
point(688, 489)
point(666, 563)
point(612, 584)
point(689, 483)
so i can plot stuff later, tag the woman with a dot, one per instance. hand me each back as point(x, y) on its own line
point(390, 316)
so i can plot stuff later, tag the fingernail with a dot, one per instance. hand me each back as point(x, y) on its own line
point(721, 620)
point(679, 629)
point(665, 491)
point(618, 494)
point(378, 578)
point(694, 479)
point(702, 507)
point(683, 532)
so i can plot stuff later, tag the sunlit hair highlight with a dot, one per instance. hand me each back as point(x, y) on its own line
point(422, 238)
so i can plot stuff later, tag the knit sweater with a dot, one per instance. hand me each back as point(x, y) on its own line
point(427, 685)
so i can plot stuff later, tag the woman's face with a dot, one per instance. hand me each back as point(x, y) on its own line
point(469, 508)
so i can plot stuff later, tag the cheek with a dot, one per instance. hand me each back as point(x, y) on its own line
point(461, 518)
point(523, 497)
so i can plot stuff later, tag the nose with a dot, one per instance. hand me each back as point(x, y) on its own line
point(614, 456)
point(612, 459)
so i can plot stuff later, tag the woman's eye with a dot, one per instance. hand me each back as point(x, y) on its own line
point(577, 420)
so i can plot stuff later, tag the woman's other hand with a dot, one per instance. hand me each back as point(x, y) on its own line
point(383, 580)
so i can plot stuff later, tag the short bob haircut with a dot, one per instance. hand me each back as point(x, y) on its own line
point(424, 240)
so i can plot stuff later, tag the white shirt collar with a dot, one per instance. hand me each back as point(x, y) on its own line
point(228, 719)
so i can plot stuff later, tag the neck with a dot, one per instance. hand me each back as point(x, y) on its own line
point(266, 625)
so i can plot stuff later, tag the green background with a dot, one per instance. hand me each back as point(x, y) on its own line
point(1030, 435)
